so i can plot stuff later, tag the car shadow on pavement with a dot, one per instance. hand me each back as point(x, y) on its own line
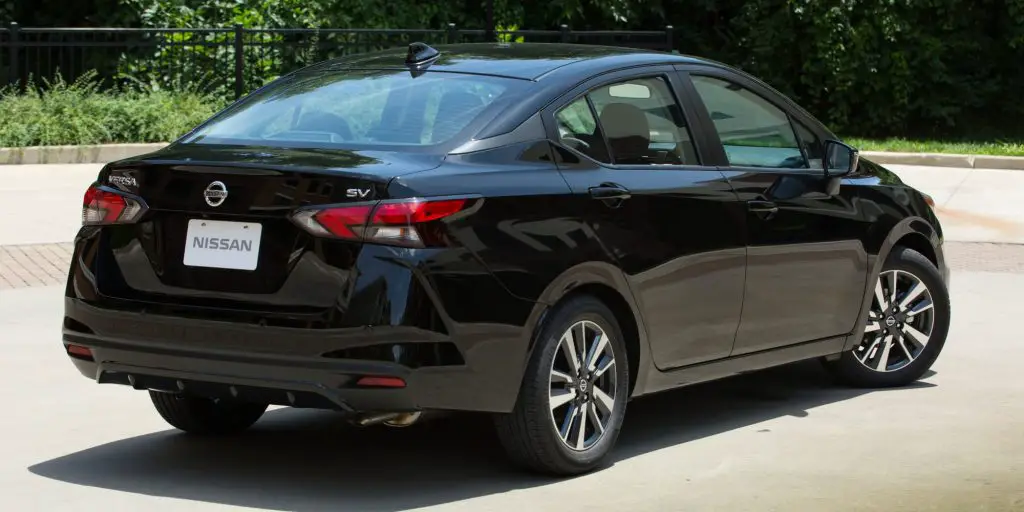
point(312, 460)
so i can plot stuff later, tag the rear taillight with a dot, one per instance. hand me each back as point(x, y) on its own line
point(409, 222)
point(103, 206)
point(928, 199)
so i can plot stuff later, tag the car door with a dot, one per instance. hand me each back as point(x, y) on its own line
point(806, 265)
point(625, 148)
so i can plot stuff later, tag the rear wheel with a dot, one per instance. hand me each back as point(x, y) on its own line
point(206, 416)
point(573, 397)
point(907, 325)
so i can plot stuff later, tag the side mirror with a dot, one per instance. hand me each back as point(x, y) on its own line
point(840, 159)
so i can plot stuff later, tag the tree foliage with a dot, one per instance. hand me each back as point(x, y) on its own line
point(867, 67)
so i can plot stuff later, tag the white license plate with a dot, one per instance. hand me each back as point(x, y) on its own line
point(220, 244)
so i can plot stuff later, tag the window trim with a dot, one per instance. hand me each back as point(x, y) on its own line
point(794, 122)
point(583, 89)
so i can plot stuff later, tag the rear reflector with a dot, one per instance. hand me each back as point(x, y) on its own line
point(928, 199)
point(380, 382)
point(406, 222)
point(80, 351)
point(102, 206)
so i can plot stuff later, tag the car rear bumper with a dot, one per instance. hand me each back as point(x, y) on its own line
point(285, 366)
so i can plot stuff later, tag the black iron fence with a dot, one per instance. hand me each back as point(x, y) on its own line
point(233, 61)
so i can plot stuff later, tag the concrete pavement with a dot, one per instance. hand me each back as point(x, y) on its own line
point(42, 203)
point(40, 212)
point(784, 439)
point(974, 205)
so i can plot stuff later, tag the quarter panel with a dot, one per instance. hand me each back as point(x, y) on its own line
point(528, 231)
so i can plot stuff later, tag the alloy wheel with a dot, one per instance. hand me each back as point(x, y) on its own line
point(900, 322)
point(582, 389)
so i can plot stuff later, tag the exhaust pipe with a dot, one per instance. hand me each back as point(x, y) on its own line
point(405, 419)
point(390, 419)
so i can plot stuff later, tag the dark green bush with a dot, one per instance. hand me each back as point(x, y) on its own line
point(912, 68)
point(61, 113)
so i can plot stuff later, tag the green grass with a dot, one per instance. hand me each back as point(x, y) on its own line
point(999, 148)
point(81, 113)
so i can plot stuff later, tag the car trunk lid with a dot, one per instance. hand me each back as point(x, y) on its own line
point(218, 230)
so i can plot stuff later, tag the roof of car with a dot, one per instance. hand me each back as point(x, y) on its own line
point(528, 61)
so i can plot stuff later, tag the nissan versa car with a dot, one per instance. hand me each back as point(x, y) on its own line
point(541, 232)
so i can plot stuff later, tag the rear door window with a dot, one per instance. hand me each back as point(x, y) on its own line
point(643, 123)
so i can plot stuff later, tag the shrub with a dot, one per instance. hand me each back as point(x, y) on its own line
point(60, 113)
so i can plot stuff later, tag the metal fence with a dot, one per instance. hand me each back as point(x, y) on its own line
point(233, 61)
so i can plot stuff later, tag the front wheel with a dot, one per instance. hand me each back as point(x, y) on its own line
point(907, 325)
point(573, 397)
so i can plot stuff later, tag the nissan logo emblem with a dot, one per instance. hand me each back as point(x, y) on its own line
point(215, 193)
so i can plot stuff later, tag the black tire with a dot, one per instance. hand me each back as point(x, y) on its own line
point(528, 433)
point(204, 416)
point(850, 371)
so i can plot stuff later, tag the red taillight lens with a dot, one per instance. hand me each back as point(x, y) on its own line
point(380, 382)
point(400, 222)
point(344, 222)
point(415, 212)
point(928, 199)
point(79, 351)
point(100, 206)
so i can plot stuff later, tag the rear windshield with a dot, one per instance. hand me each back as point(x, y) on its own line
point(358, 108)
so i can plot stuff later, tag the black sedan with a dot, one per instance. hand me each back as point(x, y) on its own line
point(541, 232)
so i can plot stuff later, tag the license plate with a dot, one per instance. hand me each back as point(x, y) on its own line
point(220, 244)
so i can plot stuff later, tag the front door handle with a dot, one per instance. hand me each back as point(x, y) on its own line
point(764, 209)
point(606, 191)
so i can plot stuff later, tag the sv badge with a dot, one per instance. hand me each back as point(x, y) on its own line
point(358, 193)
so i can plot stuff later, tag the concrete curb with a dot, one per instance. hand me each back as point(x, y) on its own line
point(97, 154)
point(103, 153)
point(1015, 163)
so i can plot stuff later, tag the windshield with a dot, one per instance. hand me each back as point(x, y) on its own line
point(357, 108)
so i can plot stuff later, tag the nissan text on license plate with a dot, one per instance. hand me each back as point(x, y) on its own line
point(221, 244)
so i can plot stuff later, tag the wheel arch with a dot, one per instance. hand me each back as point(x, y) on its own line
point(913, 232)
point(608, 284)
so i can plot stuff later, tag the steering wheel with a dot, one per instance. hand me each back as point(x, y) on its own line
point(576, 142)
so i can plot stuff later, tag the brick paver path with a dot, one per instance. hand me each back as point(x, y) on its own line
point(34, 265)
point(47, 264)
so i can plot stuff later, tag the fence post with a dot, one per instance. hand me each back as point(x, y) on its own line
point(670, 37)
point(490, 33)
point(15, 70)
point(453, 33)
point(239, 61)
point(564, 29)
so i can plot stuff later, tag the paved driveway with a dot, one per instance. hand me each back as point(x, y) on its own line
point(784, 439)
point(975, 205)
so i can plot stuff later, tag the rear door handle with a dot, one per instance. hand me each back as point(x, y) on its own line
point(763, 209)
point(606, 191)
